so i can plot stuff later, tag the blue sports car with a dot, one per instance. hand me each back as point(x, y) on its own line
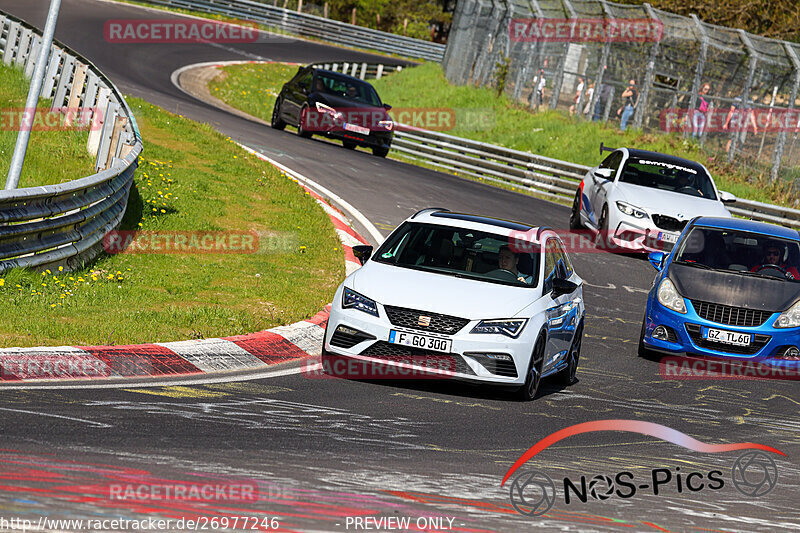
point(729, 289)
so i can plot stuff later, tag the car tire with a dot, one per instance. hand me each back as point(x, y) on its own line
point(533, 377)
point(575, 213)
point(277, 122)
point(380, 151)
point(642, 349)
point(350, 145)
point(605, 236)
point(568, 376)
point(302, 132)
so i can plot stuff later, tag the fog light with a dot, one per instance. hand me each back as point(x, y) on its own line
point(348, 331)
point(660, 333)
point(499, 356)
point(792, 353)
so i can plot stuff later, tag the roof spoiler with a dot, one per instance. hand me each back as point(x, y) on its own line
point(428, 210)
point(604, 148)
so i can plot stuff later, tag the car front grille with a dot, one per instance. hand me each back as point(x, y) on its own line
point(733, 316)
point(695, 332)
point(399, 353)
point(495, 366)
point(410, 318)
point(669, 223)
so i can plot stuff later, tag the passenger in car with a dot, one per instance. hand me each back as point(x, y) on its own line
point(508, 260)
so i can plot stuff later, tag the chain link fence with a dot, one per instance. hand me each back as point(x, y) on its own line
point(734, 92)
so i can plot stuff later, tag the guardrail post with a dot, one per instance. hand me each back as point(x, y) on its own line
point(30, 63)
point(64, 80)
point(22, 49)
point(109, 124)
point(780, 143)
point(740, 137)
point(52, 72)
point(76, 92)
point(98, 121)
point(379, 72)
point(649, 75)
point(363, 75)
point(11, 43)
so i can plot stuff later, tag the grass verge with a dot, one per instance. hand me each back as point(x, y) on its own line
point(498, 120)
point(190, 178)
point(53, 156)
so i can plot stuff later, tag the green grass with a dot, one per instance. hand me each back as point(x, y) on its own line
point(53, 156)
point(483, 116)
point(190, 179)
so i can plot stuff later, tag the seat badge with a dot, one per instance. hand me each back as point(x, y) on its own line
point(424, 321)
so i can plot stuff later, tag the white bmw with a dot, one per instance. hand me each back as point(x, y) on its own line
point(640, 200)
point(500, 300)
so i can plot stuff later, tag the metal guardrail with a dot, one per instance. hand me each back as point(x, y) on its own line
point(64, 224)
point(312, 26)
point(364, 71)
point(549, 177)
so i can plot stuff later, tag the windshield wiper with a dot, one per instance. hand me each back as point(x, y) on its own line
point(698, 265)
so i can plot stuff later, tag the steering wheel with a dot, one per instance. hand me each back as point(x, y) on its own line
point(501, 273)
point(773, 267)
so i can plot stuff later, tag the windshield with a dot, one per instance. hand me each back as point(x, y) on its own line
point(358, 91)
point(669, 177)
point(459, 252)
point(740, 251)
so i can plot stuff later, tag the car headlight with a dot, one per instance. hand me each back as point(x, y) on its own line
point(322, 108)
point(790, 318)
point(386, 124)
point(353, 300)
point(510, 327)
point(669, 297)
point(630, 210)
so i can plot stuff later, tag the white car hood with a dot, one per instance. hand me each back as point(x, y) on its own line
point(439, 293)
point(659, 201)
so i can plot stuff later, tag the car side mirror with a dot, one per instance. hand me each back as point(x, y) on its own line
point(562, 286)
point(657, 260)
point(362, 252)
point(726, 197)
point(387, 107)
point(603, 173)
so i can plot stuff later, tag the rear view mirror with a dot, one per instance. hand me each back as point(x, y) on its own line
point(362, 252)
point(604, 173)
point(657, 260)
point(726, 197)
point(563, 286)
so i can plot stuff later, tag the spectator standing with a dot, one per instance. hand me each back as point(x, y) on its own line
point(630, 98)
point(699, 114)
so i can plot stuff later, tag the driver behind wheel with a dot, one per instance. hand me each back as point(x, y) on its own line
point(773, 257)
point(508, 260)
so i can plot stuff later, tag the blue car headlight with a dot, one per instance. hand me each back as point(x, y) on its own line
point(631, 210)
point(510, 327)
point(668, 297)
point(789, 318)
point(353, 300)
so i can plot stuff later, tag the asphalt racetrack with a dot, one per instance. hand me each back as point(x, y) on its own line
point(322, 452)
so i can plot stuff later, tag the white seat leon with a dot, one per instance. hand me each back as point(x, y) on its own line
point(497, 301)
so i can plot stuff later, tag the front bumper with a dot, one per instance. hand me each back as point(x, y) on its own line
point(641, 236)
point(467, 360)
point(685, 336)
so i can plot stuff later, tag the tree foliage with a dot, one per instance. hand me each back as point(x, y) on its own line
point(779, 19)
point(427, 19)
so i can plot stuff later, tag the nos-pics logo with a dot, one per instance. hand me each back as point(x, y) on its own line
point(533, 493)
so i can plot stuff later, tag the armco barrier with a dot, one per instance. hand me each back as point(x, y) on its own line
point(364, 71)
point(64, 224)
point(312, 26)
point(543, 175)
